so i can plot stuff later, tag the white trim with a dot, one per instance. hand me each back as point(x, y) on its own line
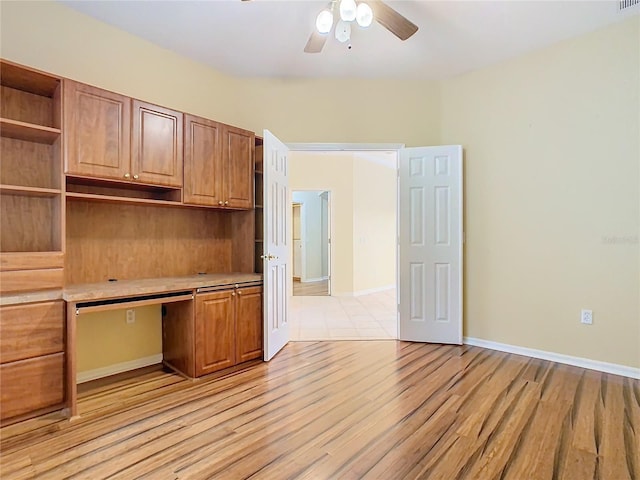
point(102, 372)
point(319, 279)
point(612, 368)
point(327, 147)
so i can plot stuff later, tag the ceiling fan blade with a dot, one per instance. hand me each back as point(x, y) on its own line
point(315, 43)
point(392, 20)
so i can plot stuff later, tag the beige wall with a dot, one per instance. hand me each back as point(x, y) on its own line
point(552, 195)
point(331, 171)
point(96, 331)
point(344, 110)
point(374, 225)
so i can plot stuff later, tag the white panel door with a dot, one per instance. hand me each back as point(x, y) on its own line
point(276, 245)
point(430, 244)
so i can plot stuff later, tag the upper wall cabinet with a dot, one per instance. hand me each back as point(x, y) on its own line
point(237, 155)
point(97, 132)
point(202, 162)
point(157, 145)
point(218, 165)
point(113, 137)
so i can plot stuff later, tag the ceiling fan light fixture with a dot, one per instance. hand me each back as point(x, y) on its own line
point(324, 21)
point(364, 15)
point(343, 31)
point(348, 10)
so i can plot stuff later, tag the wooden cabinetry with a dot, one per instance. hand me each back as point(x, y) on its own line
point(237, 157)
point(97, 132)
point(215, 332)
point(31, 358)
point(218, 165)
point(31, 203)
point(248, 324)
point(110, 136)
point(203, 170)
point(156, 145)
point(228, 328)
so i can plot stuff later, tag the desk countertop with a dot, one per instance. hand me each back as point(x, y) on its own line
point(130, 288)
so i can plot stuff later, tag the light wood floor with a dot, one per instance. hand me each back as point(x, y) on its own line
point(349, 410)
point(310, 288)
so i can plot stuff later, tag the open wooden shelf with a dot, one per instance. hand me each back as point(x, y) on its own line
point(28, 131)
point(29, 191)
point(28, 80)
point(113, 198)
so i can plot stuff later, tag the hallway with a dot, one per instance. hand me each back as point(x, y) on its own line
point(366, 317)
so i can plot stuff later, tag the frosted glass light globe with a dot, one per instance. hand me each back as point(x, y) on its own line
point(364, 15)
point(324, 21)
point(348, 10)
point(343, 31)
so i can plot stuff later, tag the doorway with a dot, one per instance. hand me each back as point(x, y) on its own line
point(311, 242)
point(362, 190)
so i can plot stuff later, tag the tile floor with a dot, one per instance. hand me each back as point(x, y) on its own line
point(366, 317)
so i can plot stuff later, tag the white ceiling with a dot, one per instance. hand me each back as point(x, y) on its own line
point(266, 37)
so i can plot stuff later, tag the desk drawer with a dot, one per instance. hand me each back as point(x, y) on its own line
point(32, 330)
point(29, 385)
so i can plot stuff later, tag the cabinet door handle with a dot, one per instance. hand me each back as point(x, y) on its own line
point(226, 202)
point(135, 177)
point(239, 292)
point(220, 202)
point(233, 294)
point(127, 175)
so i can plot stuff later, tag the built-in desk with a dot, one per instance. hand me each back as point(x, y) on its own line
point(178, 294)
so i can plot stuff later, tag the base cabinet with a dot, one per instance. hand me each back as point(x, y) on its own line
point(228, 328)
point(248, 324)
point(32, 359)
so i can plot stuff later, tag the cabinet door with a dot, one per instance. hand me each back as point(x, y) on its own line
point(156, 145)
point(215, 332)
point(97, 130)
point(203, 171)
point(237, 153)
point(248, 324)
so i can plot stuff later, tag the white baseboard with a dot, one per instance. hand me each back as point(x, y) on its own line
point(102, 372)
point(359, 293)
point(319, 279)
point(612, 368)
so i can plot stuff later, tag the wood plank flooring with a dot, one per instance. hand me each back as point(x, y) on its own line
point(314, 289)
point(350, 410)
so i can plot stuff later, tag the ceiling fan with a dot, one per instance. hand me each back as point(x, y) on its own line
point(363, 13)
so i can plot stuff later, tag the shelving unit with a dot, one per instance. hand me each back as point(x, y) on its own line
point(259, 207)
point(31, 241)
point(31, 186)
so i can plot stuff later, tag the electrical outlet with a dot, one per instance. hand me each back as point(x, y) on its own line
point(586, 317)
point(131, 316)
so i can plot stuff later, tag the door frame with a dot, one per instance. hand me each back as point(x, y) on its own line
point(303, 222)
